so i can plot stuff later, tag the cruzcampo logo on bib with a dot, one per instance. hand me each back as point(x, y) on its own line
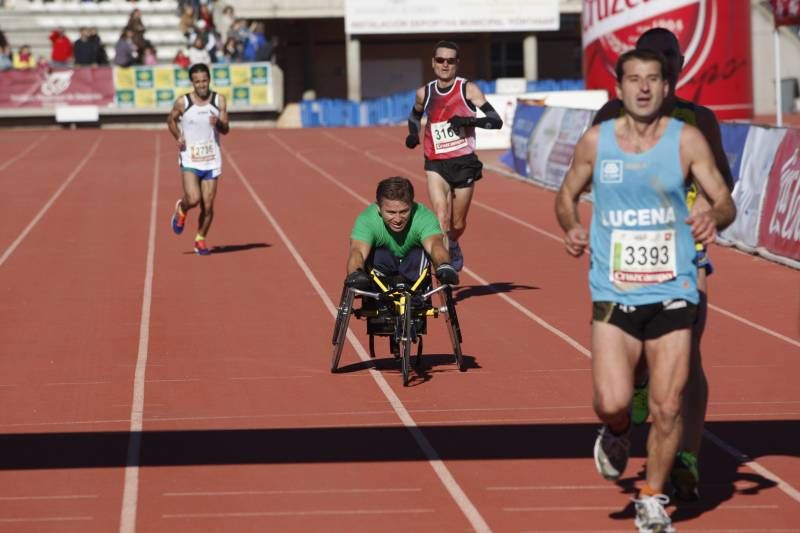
point(640, 258)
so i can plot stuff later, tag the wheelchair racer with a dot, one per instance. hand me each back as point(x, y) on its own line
point(396, 236)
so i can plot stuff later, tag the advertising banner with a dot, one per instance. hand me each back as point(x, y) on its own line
point(449, 16)
point(759, 153)
point(526, 116)
point(718, 66)
point(246, 85)
point(552, 144)
point(733, 139)
point(787, 12)
point(46, 87)
point(780, 221)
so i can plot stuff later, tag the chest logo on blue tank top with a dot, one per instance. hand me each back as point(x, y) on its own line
point(611, 171)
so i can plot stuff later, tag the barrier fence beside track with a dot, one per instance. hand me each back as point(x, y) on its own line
point(765, 163)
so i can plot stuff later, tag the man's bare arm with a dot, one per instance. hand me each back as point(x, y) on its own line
point(172, 122)
point(359, 251)
point(434, 246)
point(577, 180)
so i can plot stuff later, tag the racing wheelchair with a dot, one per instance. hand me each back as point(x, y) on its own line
point(398, 310)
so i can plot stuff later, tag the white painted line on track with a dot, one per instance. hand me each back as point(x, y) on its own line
point(23, 153)
point(13, 246)
point(343, 512)
point(451, 485)
point(785, 487)
point(743, 458)
point(567, 508)
point(546, 233)
point(130, 494)
point(370, 490)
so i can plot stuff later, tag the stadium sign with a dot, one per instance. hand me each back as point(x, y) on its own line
point(717, 70)
point(449, 16)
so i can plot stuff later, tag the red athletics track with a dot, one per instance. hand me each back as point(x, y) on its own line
point(220, 364)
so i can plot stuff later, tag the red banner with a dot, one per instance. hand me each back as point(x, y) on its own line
point(787, 12)
point(780, 212)
point(713, 36)
point(46, 87)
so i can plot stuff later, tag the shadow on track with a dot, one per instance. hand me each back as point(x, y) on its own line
point(497, 287)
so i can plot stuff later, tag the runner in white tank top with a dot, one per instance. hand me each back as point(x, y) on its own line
point(196, 121)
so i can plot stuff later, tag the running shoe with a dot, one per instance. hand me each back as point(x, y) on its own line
point(200, 247)
point(685, 477)
point(456, 257)
point(651, 516)
point(639, 407)
point(178, 219)
point(611, 453)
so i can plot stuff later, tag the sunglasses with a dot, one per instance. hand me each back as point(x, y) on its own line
point(448, 60)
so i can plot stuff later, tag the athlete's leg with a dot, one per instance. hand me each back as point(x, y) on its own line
point(614, 356)
point(441, 199)
point(668, 360)
point(208, 189)
point(461, 201)
point(191, 190)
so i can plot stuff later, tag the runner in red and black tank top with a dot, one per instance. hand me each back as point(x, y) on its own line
point(451, 166)
point(441, 141)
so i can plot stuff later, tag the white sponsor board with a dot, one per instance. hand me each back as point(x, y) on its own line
point(449, 16)
point(506, 106)
point(748, 194)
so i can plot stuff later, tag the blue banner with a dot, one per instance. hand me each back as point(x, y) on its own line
point(733, 138)
point(525, 119)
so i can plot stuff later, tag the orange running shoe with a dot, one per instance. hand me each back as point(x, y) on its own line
point(178, 219)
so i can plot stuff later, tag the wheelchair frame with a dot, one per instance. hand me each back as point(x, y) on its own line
point(403, 311)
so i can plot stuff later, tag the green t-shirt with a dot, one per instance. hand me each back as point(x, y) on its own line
point(371, 229)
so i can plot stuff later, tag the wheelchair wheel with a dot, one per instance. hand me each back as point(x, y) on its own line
point(453, 328)
point(405, 346)
point(340, 326)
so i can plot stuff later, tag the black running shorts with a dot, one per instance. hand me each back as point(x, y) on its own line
point(460, 172)
point(649, 321)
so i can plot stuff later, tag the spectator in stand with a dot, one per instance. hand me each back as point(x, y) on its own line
point(239, 31)
point(102, 56)
point(85, 49)
point(186, 24)
point(227, 19)
point(61, 54)
point(207, 37)
point(5, 53)
point(231, 51)
point(23, 58)
point(256, 42)
point(181, 59)
point(198, 53)
point(125, 52)
point(205, 15)
point(149, 56)
point(135, 23)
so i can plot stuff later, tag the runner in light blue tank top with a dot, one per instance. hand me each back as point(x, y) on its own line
point(643, 199)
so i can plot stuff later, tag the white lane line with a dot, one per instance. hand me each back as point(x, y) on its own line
point(451, 485)
point(49, 203)
point(292, 492)
point(71, 383)
point(788, 489)
point(54, 497)
point(745, 460)
point(343, 512)
point(568, 508)
point(546, 233)
point(23, 153)
point(130, 494)
point(65, 423)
